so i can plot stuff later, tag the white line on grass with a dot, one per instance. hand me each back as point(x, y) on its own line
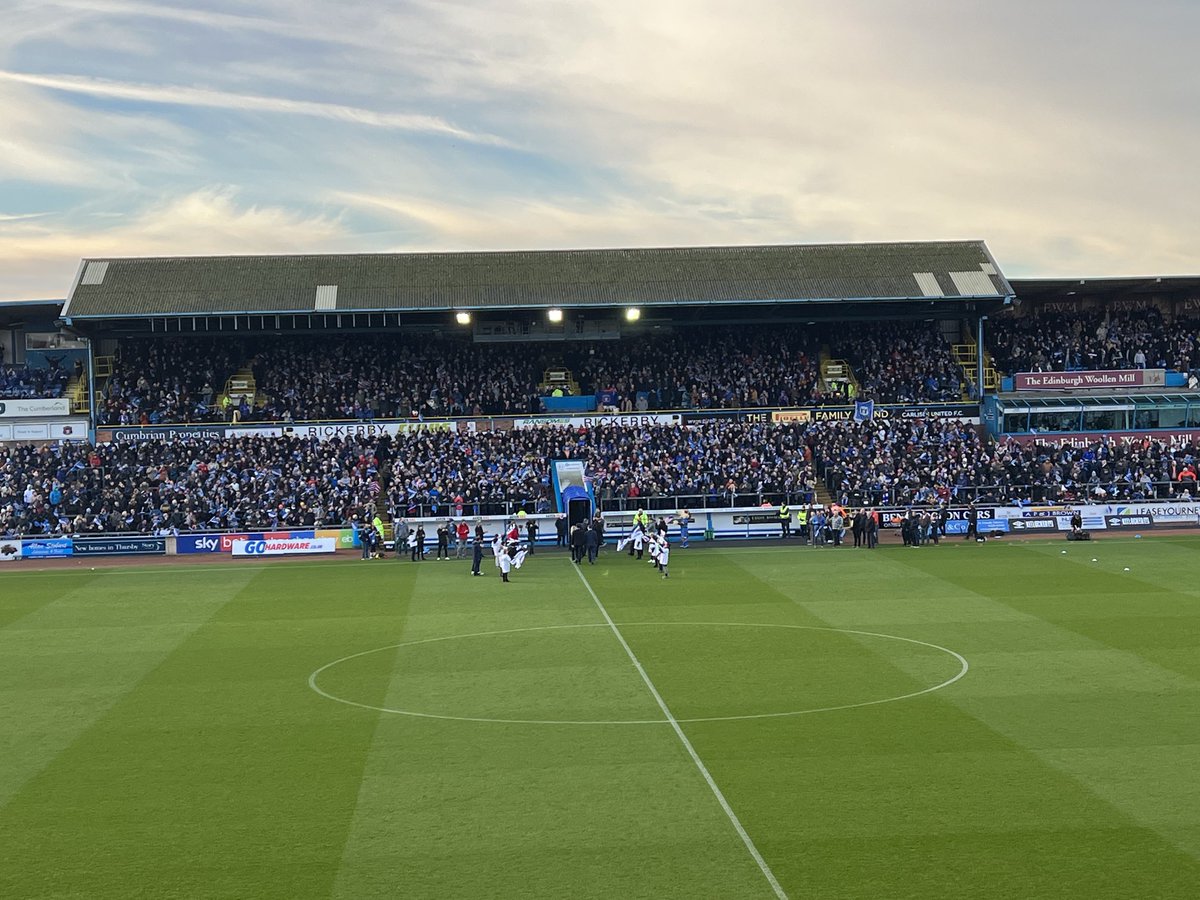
point(315, 676)
point(687, 745)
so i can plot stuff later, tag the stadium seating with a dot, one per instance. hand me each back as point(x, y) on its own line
point(273, 482)
point(1092, 339)
point(20, 382)
point(361, 376)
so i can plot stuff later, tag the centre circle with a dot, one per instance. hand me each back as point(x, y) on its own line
point(733, 671)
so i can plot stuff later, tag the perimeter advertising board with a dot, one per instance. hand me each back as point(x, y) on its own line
point(46, 548)
point(198, 543)
point(45, 430)
point(1081, 440)
point(33, 409)
point(227, 540)
point(283, 546)
point(123, 546)
point(1101, 379)
point(322, 431)
point(961, 412)
point(623, 419)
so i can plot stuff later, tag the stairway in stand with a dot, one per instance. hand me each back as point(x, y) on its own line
point(384, 476)
point(967, 357)
point(242, 385)
point(824, 497)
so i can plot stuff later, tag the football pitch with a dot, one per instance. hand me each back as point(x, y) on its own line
point(996, 720)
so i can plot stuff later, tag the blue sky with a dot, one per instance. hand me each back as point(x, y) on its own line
point(1063, 132)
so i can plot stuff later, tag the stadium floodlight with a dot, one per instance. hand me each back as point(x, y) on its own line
point(632, 314)
point(462, 318)
point(554, 315)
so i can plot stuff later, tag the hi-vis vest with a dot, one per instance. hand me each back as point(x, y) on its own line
point(640, 517)
point(802, 517)
point(785, 512)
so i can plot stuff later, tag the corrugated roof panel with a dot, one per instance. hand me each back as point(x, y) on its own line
point(326, 296)
point(928, 284)
point(94, 272)
point(973, 284)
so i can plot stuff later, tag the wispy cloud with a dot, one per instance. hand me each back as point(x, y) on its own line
point(38, 258)
point(203, 97)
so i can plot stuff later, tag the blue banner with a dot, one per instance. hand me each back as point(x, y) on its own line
point(959, 526)
point(864, 410)
point(130, 546)
point(46, 548)
point(198, 543)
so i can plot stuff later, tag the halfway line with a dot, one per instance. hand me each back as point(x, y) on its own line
point(687, 745)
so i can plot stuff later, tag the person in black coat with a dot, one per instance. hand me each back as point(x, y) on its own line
point(418, 551)
point(531, 530)
point(591, 539)
point(477, 552)
point(578, 542)
point(560, 526)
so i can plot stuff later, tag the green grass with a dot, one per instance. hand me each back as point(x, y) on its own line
point(159, 737)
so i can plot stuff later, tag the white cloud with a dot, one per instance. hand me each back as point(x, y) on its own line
point(203, 97)
point(38, 258)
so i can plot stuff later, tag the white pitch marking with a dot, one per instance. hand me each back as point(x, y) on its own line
point(964, 667)
point(312, 682)
point(687, 745)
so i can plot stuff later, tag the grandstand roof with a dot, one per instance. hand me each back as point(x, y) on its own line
point(398, 282)
point(1107, 288)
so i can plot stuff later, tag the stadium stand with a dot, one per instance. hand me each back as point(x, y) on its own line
point(1088, 339)
point(20, 382)
point(275, 482)
point(160, 381)
point(930, 462)
point(159, 487)
point(767, 339)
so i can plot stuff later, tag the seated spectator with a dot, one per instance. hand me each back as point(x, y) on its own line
point(23, 383)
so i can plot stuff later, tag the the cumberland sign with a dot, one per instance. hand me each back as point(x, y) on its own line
point(1086, 381)
point(15, 409)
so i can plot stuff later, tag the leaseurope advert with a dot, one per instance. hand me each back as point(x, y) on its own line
point(284, 546)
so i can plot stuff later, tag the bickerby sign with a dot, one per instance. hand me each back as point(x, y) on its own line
point(1086, 381)
point(623, 419)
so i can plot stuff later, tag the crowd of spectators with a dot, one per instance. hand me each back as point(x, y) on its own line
point(374, 376)
point(708, 465)
point(931, 461)
point(906, 362)
point(254, 483)
point(1043, 341)
point(715, 367)
point(158, 381)
point(22, 383)
point(162, 381)
point(158, 487)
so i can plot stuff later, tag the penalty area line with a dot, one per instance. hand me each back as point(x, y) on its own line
point(687, 745)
